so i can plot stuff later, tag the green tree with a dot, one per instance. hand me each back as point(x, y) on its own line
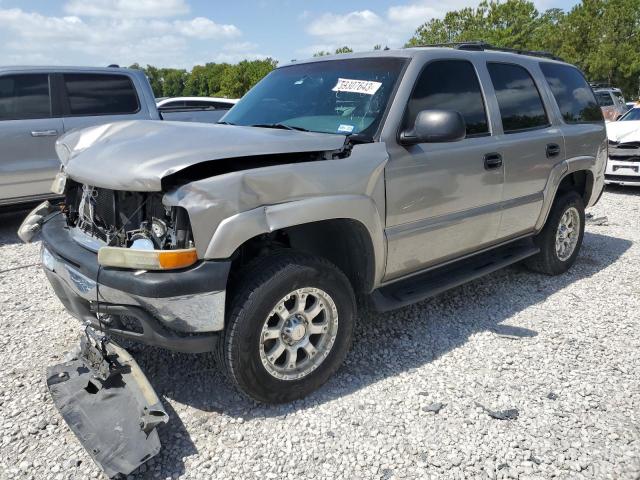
point(321, 53)
point(602, 37)
point(344, 49)
point(173, 81)
point(238, 79)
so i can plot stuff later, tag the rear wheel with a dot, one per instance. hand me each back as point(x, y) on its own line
point(289, 328)
point(561, 238)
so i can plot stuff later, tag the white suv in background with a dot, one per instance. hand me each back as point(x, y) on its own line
point(623, 167)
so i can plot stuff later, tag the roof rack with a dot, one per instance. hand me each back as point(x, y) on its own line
point(479, 46)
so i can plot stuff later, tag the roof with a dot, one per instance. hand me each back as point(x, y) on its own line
point(422, 51)
point(60, 68)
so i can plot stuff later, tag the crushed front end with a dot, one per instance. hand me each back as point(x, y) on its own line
point(125, 266)
point(126, 259)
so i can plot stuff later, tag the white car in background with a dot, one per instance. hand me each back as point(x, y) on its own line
point(623, 167)
point(194, 109)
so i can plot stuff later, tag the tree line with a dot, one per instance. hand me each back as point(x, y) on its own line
point(602, 37)
point(209, 80)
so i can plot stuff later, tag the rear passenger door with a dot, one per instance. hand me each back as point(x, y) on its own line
point(96, 98)
point(28, 131)
point(530, 146)
point(582, 122)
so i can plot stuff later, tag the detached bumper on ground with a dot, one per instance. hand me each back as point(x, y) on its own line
point(180, 310)
point(109, 404)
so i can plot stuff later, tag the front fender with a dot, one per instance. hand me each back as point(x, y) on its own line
point(237, 229)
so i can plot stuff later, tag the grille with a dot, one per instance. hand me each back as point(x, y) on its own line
point(625, 158)
point(623, 178)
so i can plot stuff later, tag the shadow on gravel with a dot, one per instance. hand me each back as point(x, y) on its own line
point(385, 344)
point(10, 220)
point(624, 189)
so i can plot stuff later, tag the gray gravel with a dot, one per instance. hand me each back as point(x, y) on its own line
point(413, 398)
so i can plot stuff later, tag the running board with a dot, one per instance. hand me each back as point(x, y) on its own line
point(425, 285)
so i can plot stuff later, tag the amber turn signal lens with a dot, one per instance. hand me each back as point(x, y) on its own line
point(146, 259)
point(170, 260)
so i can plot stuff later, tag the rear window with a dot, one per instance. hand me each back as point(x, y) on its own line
point(24, 97)
point(520, 104)
point(604, 99)
point(98, 94)
point(572, 93)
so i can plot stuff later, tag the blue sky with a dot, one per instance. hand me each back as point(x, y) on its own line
point(182, 33)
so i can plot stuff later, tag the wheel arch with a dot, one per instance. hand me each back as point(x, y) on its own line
point(576, 175)
point(331, 227)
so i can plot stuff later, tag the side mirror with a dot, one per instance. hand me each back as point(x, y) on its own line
point(433, 126)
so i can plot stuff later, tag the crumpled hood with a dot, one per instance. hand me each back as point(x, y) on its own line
point(622, 132)
point(136, 155)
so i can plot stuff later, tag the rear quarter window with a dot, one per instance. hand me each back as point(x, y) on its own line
point(521, 107)
point(572, 93)
point(24, 97)
point(100, 94)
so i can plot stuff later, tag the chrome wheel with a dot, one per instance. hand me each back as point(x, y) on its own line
point(567, 234)
point(298, 333)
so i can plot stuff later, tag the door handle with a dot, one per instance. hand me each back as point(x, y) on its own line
point(553, 150)
point(492, 161)
point(44, 133)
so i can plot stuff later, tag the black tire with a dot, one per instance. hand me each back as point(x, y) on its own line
point(548, 260)
point(258, 291)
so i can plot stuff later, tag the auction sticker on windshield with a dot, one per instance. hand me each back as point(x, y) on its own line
point(357, 86)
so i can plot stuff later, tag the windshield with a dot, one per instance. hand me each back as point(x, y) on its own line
point(633, 114)
point(334, 96)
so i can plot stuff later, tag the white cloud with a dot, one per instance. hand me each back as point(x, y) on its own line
point(201, 27)
point(29, 37)
point(126, 8)
point(363, 29)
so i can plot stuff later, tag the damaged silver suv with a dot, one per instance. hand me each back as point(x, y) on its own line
point(388, 176)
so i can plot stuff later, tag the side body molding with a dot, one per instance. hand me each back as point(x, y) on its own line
point(226, 210)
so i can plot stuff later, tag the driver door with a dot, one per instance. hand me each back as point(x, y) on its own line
point(443, 199)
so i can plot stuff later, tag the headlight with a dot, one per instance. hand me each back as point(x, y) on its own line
point(146, 259)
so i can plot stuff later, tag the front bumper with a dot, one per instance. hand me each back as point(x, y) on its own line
point(622, 172)
point(180, 310)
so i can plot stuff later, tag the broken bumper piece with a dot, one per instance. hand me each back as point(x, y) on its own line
point(109, 405)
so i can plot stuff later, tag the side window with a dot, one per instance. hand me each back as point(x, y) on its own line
point(100, 94)
point(520, 104)
point(449, 85)
point(572, 93)
point(24, 96)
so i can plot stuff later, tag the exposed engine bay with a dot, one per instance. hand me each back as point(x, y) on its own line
point(126, 219)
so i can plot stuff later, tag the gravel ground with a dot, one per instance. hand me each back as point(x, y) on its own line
point(563, 351)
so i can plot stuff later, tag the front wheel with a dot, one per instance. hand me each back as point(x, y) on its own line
point(290, 327)
point(561, 238)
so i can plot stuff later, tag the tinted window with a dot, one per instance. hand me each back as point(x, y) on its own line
point(572, 93)
point(518, 98)
point(24, 96)
point(604, 99)
point(95, 94)
point(460, 92)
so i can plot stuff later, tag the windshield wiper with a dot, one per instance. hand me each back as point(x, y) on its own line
point(279, 125)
